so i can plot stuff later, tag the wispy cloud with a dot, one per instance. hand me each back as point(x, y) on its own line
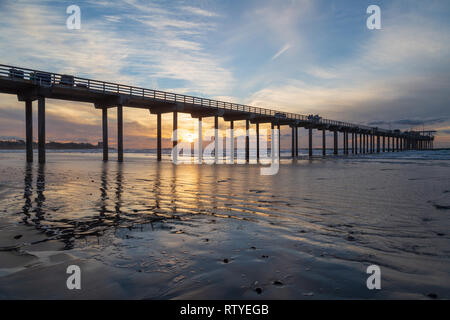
point(199, 11)
point(285, 48)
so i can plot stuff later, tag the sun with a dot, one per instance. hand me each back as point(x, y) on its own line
point(188, 137)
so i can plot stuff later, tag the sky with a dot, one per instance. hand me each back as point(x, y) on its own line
point(302, 56)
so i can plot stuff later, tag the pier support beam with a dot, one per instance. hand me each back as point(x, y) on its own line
point(257, 141)
point(360, 143)
point(29, 129)
point(216, 139)
point(365, 143)
point(384, 143)
point(353, 143)
point(279, 142)
point(293, 142)
point(378, 143)
point(335, 151)
point(120, 133)
point(296, 142)
point(310, 142)
point(175, 136)
point(105, 133)
point(356, 143)
point(247, 140)
point(158, 137)
point(344, 144)
point(230, 144)
point(41, 129)
point(324, 143)
point(200, 141)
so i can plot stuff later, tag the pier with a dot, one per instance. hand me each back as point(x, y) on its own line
point(34, 85)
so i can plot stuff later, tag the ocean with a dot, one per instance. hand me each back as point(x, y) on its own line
point(147, 230)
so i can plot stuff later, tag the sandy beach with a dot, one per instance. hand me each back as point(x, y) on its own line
point(147, 230)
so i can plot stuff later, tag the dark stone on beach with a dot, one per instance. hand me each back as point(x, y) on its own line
point(264, 256)
point(440, 234)
point(253, 248)
point(351, 238)
point(302, 231)
point(18, 236)
point(206, 240)
point(441, 207)
point(432, 295)
point(225, 260)
point(258, 290)
point(277, 283)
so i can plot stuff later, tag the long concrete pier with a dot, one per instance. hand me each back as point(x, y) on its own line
point(34, 85)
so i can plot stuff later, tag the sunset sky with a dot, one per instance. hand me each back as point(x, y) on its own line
point(303, 56)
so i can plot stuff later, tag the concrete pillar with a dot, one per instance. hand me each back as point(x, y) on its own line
point(175, 136)
point(378, 143)
point(396, 144)
point(216, 139)
point(158, 137)
point(364, 138)
point(272, 141)
point(353, 143)
point(29, 129)
point(247, 140)
point(356, 143)
point(293, 142)
point(360, 143)
point(257, 141)
point(296, 141)
point(335, 142)
point(384, 143)
point(105, 133)
point(120, 133)
point(347, 145)
point(310, 142)
point(41, 129)
point(344, 136)
point(230, 148)
point(279, 140)
point(324, 143)
point(200, 141)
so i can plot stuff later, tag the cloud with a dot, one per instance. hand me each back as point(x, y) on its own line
point(281, 51)
point(199, 11)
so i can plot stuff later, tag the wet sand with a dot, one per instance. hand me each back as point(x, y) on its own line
point(143, 230)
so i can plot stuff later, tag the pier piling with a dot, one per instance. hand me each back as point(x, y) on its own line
point(105, 133)
point(29, 129)
point(120, 133)
point(41, 129)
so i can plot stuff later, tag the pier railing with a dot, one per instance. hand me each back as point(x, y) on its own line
point(48, 79)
